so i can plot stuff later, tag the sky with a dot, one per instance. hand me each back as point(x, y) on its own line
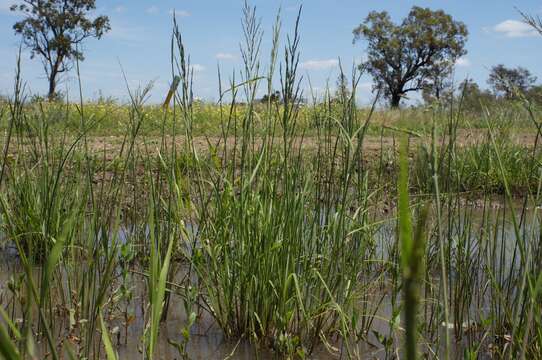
point(139, 42)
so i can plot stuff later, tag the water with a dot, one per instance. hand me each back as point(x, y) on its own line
point(207, 341)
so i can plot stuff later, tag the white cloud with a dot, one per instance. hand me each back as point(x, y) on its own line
point(463, 62)
point(179, 13)
point(225, 56)
point(514, 29)
point(320, 64)
point(119, 9)
point(152, 10)
point(198, 67)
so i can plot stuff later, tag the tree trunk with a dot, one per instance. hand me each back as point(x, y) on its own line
point(395, 100)
point(437, 92)
point(52, 86)
point(55, 67)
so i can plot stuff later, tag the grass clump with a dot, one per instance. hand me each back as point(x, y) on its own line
point(285, 230)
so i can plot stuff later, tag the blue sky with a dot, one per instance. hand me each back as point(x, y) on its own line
point(141, 30)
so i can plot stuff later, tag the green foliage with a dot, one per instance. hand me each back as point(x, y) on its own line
point(109, 351)
point(402, 57)
point(510, 82)
point(274, 98)
point(293, 249)
point(54, 31)
point(413, 248)
point(473, 99)
point(438, 85)
point(8, 347)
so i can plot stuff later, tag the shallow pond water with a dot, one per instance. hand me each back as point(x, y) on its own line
point(207, 341)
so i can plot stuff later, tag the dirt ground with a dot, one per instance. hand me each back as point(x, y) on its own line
point(371, 143)
point(110, 146)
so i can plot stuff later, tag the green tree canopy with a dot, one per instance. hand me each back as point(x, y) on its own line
point(507, 81)
point(401, 58)
point(472, 98)
point(54, 29)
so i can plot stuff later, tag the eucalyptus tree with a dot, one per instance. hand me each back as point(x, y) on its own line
point(54, 31)
point(402, 57)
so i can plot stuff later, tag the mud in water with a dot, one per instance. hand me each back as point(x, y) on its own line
point(207, 341)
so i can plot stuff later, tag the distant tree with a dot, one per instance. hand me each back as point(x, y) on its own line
point(401, 57)
point(534, 94)
point(472, 97)
point(507, 81)
point(274, 97)
point(54, 30)
point(342, 91)
point(469, 88)
point(438, 84)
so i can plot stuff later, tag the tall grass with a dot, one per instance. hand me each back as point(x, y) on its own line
point(278, 229)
